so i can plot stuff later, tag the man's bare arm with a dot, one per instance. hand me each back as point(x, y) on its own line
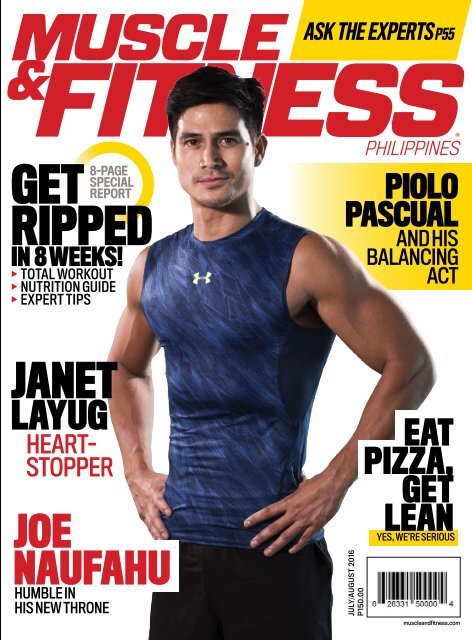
point(132, 403)
point(372, 325)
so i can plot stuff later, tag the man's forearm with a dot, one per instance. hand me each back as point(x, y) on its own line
point(131, 408)
point(316, 500)
point(401, 386)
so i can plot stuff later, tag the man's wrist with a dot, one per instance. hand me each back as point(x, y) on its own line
point(341, 473)
point(136, 468)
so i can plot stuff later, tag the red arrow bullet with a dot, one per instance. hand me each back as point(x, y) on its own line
point(13, 273)
point(13, 286)
point(13, 299)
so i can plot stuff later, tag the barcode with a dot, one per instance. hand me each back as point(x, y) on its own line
point(411, 585)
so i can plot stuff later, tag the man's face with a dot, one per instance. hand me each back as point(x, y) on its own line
point(215, 156)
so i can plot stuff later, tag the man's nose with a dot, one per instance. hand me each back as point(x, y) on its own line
point(211, 156)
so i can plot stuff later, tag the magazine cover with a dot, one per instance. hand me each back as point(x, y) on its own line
point(192, 380)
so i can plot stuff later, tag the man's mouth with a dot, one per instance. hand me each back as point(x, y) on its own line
point(212, 180)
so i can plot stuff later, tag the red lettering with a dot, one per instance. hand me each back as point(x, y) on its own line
point(112, 570)
point(90, 566)
point(83, 47)
point(71, 572)
point(164, 565)
point(59, 96)
point(265, 74)
point(213, 50)
point(255, 35)
point(33, 30)
point(151, 41)
point(60, 529)
point(170, 51)
point(25, 567)
point(67, 28)
point(285, 96)
point(412, 93)
point(47, 568)
point(39, 530)
point(116, 104)
point(346, 92)
point(138, 566)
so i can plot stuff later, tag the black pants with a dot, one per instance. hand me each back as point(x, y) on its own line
point(239, 594)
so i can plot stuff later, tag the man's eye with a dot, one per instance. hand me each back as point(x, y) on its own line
point(191, 142)
point(228, 141)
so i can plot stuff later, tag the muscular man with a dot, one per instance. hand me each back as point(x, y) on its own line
point(246, 306)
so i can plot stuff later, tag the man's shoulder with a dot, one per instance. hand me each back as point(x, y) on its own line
point(162, 245)
point(174, 237)
point(316, 247)
point(328, 267)
point(282, 228)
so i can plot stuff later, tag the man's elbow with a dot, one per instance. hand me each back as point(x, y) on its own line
point(128, 369)
point(424, 374)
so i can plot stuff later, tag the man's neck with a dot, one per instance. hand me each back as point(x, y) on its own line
point(213, 224)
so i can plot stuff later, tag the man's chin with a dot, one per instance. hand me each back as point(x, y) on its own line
point(215, 202)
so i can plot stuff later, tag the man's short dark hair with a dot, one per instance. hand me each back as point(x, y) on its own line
point(209, 85)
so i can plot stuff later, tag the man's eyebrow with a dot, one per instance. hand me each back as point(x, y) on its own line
point(185, 135)
point(231, 132)
point(188, 134)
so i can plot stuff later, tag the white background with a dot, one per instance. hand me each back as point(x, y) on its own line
point(103, 511)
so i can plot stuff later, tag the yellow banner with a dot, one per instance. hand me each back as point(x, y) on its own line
point(378, 538)
point(368, 30)
point(409, 224)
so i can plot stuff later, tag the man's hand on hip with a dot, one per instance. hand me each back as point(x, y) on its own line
point(303, 512)
point(147, 489)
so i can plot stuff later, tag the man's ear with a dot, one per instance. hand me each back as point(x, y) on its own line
point(260, 147)
point(172, 150)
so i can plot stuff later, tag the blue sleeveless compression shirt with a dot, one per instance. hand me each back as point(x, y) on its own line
point(242, 375)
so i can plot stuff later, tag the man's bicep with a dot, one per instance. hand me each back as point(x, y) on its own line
point(359, 310)
point(135, 344)
point(372, 325)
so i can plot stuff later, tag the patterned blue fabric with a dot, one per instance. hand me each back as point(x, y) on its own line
point(242, 375)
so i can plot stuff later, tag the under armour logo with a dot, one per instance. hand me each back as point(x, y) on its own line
point(197, 277)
